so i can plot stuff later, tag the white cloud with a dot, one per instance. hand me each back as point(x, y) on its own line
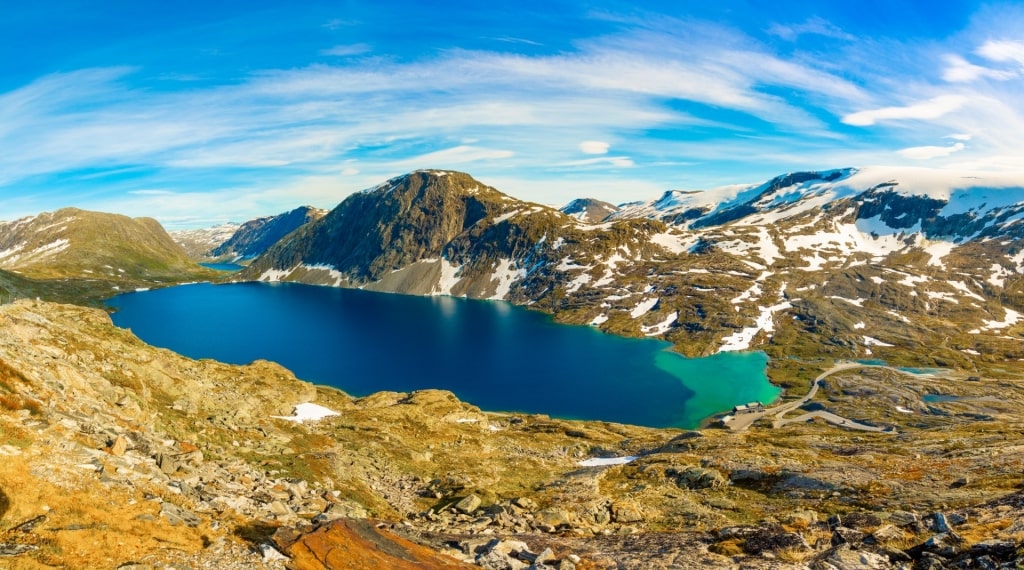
point(594, 147)
point(959, 70)
point(930, 109)
point(1005, 51)
point(350, 172)
point(959, 137)
point(930, 152)
point(347, 50)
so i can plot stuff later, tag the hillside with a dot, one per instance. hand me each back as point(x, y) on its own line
point(117, 453)
point(76, 254)
point(845, 263)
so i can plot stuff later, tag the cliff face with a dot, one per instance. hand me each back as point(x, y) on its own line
point(254, 237)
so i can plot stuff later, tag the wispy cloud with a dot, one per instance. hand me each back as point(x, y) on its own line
point(815, 26)
point(1011, 51)
point(690, 102)
point(930, 152)
point(924, 110)
point(347, 50)
point(959, 70)
point(616, 161)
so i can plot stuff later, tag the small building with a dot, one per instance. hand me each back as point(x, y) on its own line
point(748, 408)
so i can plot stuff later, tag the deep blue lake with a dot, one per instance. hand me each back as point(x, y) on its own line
point(491, 354)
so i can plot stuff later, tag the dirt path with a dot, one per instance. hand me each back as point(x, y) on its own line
point(740, 422)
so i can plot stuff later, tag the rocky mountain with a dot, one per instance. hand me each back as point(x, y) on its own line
point(81, 250)
point(589, 210)
point(254, 237)
point(198, 242)
point(852, 263)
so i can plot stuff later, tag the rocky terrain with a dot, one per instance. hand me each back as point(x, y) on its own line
point(121, 455)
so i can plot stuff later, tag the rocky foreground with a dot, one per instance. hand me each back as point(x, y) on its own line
point(120, 455)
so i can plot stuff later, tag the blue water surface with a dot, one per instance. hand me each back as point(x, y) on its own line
point(491, 354)
point(232, 267)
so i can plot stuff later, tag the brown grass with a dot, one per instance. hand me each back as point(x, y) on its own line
point(79, 531)
point(794, 555)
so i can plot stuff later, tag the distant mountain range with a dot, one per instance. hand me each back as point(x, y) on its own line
point(849, 262)
point(241, 242)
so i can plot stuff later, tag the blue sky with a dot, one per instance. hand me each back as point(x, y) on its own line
point(198, 113)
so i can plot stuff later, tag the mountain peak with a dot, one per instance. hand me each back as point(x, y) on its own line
point(589, 210)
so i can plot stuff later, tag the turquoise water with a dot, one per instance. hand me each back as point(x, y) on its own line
point(491, 354)
point(921, 371)
point(939, 398)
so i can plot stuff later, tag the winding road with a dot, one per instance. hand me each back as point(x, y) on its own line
point(739, 422)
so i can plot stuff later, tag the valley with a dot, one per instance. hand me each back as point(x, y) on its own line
point(819, 270)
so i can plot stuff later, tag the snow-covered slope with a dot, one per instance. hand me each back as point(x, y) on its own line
point(908, 256)
point(198, 242)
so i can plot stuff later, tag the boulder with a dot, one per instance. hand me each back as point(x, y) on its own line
point(351, 544)
point(696, 478)
point(843, 535)
point(902, 518)
point(554, 517)
point(468, 504)
point(120, 446)
point(843, 558)
point(887, 533)
point(626, 512)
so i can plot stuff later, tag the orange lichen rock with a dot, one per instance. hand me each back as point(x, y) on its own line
point(357, 544)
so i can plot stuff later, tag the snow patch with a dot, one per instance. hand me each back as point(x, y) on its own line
point(505, 274)
point(674, 243)
point(741, 340)
point(870, 341)
point(273, 275)
point(308, 412)
point(937, 251)
point(448, 279)
point(643, 307)
point(662, 327)
point(329, 269)
point(1011, 317)
point(602, 461)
